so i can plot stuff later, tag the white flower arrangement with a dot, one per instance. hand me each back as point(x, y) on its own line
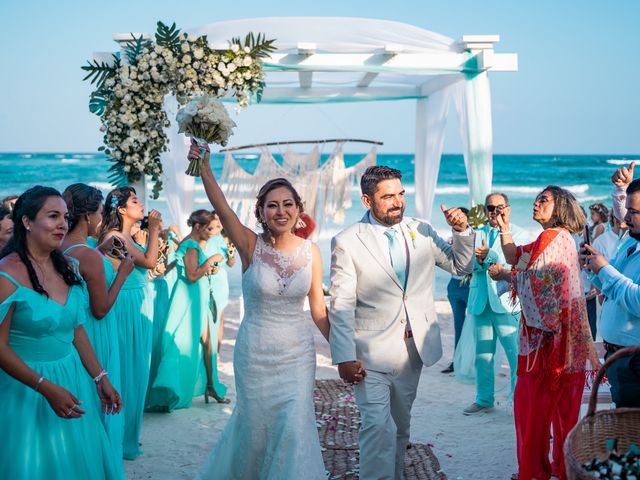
point(129, 97)
point(205, 120)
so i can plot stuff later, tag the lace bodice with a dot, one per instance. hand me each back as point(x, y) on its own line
point(279, 273)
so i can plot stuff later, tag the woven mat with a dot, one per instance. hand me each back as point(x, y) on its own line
point(338, 421)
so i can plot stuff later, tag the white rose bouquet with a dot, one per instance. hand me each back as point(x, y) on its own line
point(205, 120)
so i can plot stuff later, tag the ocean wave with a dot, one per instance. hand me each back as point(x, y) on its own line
point(101, 185)
point(513, 189)
point(26, 155)
point(70, 160)
point(623, 162)
point(84, 156)
point(594, 198)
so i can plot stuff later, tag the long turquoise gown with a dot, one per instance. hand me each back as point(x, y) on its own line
point(37, 444)
point(103, 335)
point(219, 283)
point(134, 314)
point(180, 373)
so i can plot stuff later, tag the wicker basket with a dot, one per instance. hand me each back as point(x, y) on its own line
point(588, 439)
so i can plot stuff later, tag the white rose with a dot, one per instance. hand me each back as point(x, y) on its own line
point(247, 61)
point(235, 48)
point(198, 53)
point(186, 59)
point(185, 47)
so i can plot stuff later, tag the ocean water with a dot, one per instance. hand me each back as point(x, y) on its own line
point(521, 177)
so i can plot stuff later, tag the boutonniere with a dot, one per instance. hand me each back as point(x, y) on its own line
point(413, 233)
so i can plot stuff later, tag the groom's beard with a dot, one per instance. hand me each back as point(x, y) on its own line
point(390, 217)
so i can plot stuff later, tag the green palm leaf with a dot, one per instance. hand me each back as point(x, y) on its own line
point(169, 37)
point(133, 48)
point(100, 72)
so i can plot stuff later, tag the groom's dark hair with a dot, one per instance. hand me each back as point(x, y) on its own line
point(374, 175)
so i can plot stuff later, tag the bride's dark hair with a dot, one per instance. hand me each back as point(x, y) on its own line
point(268, 187)
point(28, 205)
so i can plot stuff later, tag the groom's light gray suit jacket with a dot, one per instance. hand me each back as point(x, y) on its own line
point(370, 308)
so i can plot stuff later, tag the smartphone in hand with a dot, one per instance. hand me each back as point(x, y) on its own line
point(587, 235)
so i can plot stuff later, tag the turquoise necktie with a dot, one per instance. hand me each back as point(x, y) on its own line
point(493, 235)
point(397, 256)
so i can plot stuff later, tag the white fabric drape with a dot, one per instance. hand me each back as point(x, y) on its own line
point(431, 120)
point(473, 104)
point(177, 186)
point(301, 163)
point(326, 191)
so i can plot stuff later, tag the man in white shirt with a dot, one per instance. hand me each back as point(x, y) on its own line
point(619, 281)
point(609, 242)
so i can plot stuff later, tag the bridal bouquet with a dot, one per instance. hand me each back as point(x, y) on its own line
point(205, 120)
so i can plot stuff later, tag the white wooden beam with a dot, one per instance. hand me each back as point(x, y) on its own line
point(504, 62)
point(367, 79)
point(336, 94)
point(306, 50)
point(439, 82)
point(478, 42)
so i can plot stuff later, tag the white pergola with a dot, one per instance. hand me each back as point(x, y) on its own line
point(335, 59)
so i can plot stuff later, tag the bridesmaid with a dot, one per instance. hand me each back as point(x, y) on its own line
point(219, 283)
point(133, 308)
point(188, 325)
point(103, 284)
point(49, 420)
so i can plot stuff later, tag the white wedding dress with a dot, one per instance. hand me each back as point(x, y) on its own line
point(272, 431)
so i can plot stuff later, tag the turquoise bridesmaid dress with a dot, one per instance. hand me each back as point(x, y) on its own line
point(180, 373)
point(103, 335)
point(37, 444)
point(219, 282)
point(134, 315)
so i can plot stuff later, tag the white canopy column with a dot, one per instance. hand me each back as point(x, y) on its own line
point(431, 120)
point(473, 104)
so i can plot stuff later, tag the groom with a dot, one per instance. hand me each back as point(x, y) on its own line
point(383, 314)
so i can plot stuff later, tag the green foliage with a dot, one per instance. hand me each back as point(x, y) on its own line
point(99, 101)
point(169, 37)
point(133, 48)
point(260, 46)
point(117, 175)
point(100, 72)
point(477, 217)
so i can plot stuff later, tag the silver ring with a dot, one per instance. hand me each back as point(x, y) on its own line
point(69, 412)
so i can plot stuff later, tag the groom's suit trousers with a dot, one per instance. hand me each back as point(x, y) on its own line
point(385, 401)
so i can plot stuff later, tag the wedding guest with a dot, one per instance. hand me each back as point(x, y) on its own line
point(272, 431)
point(134, 307)
point(185, 345)
point(6, 226)
point(619, 281)
point(458, 295)
point(609, 242)
point(599, 215)
point(555, 341)
point(9, 202)
point(219, 283)
point(50, 423)
point(103, 284)
point(494, 315)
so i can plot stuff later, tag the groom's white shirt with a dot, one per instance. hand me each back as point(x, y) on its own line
point(369, 307)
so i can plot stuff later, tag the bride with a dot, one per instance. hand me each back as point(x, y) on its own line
point(272, 432)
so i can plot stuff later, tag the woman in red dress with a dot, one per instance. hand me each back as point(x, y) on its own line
point(555, 340)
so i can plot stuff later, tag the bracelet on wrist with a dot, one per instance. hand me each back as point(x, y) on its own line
point(99, 377)
point(38, 383)
point(508, 232)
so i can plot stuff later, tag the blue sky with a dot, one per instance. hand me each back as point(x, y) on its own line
point(576, 91)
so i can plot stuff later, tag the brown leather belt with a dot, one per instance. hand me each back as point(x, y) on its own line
point(611, 347)
point(408, 334)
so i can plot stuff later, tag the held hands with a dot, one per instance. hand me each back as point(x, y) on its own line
point(623, 176)
point(591, 259)
point(62, 402)
point(482, 252)
point(352, 372)
point(455, 217)
point(503, 219)
point(110, 398)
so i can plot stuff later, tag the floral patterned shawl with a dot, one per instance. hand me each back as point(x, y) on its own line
point(547, 281)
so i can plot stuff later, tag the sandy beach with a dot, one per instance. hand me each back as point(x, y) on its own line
point(478, 447)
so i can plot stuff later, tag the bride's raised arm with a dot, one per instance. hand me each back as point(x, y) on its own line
point(243, 237)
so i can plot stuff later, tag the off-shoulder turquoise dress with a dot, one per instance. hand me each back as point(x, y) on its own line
point(180, 373)
point(134, 315)
point(36, 443)
point(103, 335)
